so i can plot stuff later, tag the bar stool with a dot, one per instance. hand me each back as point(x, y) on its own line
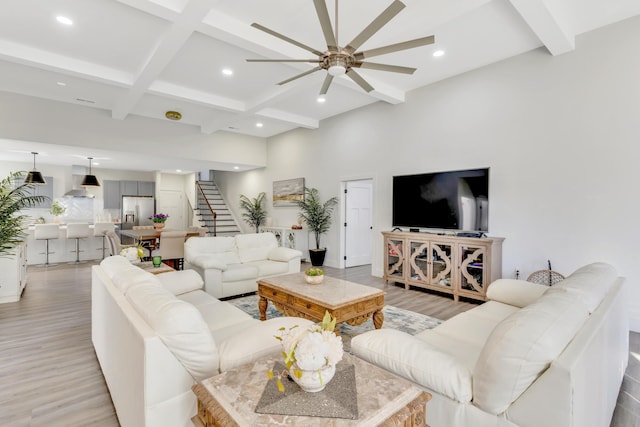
point(100, 229)
point(79, 230)
point(46, 232)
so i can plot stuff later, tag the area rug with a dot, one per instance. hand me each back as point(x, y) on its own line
point(394, 318)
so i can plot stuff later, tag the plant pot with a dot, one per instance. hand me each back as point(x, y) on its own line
point(314, 381)
point(158, 225)
point(316, 256)
point(314, 280)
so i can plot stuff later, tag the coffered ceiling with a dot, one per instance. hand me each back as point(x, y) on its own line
point(145, 57)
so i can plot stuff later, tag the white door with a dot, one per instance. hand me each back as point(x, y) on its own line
point(172, 203)
point(359, 222)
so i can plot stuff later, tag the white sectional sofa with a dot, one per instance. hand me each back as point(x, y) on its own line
point(156, 336)
point(530, 356)
point(231, 265)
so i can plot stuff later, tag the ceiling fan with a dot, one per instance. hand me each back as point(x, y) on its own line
point(342, 60)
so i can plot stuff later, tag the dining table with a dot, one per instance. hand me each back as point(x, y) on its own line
point(150, 235)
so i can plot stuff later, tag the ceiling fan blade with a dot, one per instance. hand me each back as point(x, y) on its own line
point(385, 67)
point(386, 16)
point(300, 75)
point(325, 23)
point(326, 84)
point(395, 47)
point(359, 80)
point(287, 39)
point(284, 60)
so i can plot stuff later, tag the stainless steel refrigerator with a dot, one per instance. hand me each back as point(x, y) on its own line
point(136, 210)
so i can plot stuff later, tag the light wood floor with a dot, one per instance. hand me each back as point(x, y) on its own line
point(49, 374)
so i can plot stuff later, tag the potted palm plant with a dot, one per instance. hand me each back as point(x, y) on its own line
point(317, 216)
point(13, 198)
point(254, 211)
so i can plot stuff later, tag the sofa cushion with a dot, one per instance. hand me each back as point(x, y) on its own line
point(255, 246)
point(224, 248)
point(198, 298)
point(269, 268)
point(127, 277)
point(180, 326)
point(238, 272)
point(521, 348)
point(223, 315)
point(113, 264)
point(588, 284)
point(411, 358)
point(208, 261)
point(519, 293)
point(180, 282)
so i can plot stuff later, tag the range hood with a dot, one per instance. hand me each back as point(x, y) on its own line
point(77, 190)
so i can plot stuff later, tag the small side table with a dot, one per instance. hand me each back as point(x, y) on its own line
point(384, 399)
point(148, 266)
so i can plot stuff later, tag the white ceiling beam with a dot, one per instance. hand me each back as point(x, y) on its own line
point(545, 25)
point(49, 61)
point(294, 119)
point(153, 8)
point(172, 41)
point(193, 96)
point(259, 103)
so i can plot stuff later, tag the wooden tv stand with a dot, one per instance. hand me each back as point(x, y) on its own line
point(461, 266)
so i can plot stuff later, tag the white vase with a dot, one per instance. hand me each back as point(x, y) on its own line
point(314, 381)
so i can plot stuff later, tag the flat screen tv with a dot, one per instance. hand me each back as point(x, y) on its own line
point(455, 200)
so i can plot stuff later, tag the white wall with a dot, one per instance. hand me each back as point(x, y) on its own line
point(560, 135)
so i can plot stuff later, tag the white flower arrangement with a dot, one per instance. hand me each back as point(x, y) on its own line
point(132, 253)
point(310, 349)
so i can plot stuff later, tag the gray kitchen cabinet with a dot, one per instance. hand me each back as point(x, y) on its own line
point(114, 190)
point(111, 192)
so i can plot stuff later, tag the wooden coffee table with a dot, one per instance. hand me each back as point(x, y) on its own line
point(384, 399)
point(348, 302)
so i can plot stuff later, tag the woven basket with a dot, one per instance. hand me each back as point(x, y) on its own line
point(545, 277)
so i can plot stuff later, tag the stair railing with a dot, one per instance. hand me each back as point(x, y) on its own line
point(213, 213)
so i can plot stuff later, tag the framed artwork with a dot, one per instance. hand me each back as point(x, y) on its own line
point(288, 192)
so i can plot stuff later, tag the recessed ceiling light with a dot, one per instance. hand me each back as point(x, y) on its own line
point(259, 125)
point(227, 71)
point(236, 167)
point(61, 83)
point(438, 53)
point(178, 170)
point(322, 99)
point(64, 20)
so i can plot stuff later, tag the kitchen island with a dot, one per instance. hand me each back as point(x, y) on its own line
point(63, 249)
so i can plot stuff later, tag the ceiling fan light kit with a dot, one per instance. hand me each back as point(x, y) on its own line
point(339, 61)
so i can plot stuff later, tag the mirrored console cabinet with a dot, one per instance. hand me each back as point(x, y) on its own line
point(461, 266)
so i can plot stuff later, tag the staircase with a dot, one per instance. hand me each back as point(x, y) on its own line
point(225, 223)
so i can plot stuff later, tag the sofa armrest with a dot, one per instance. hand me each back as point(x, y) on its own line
point(284, 254)
point(415, 360)
point(208, 261)
point(518, 293)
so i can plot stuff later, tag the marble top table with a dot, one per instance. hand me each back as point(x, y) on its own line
point(346, 301)
point(384, 399)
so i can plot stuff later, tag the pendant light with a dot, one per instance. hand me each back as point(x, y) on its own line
point(34, 177)
point(90, 180)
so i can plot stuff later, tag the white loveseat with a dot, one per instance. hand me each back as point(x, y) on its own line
point(231, 265)
point(156, 336)
point(530, 356)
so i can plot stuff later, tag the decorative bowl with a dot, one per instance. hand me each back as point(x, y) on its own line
point(314, 280)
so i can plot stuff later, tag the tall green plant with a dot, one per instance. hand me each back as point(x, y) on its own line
point(13, 198)
point(254, 211)
point(315, 214)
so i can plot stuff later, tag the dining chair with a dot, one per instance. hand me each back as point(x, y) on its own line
point(99, 230)
point(116, 246)
point(172, 247)
point(150, 245)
